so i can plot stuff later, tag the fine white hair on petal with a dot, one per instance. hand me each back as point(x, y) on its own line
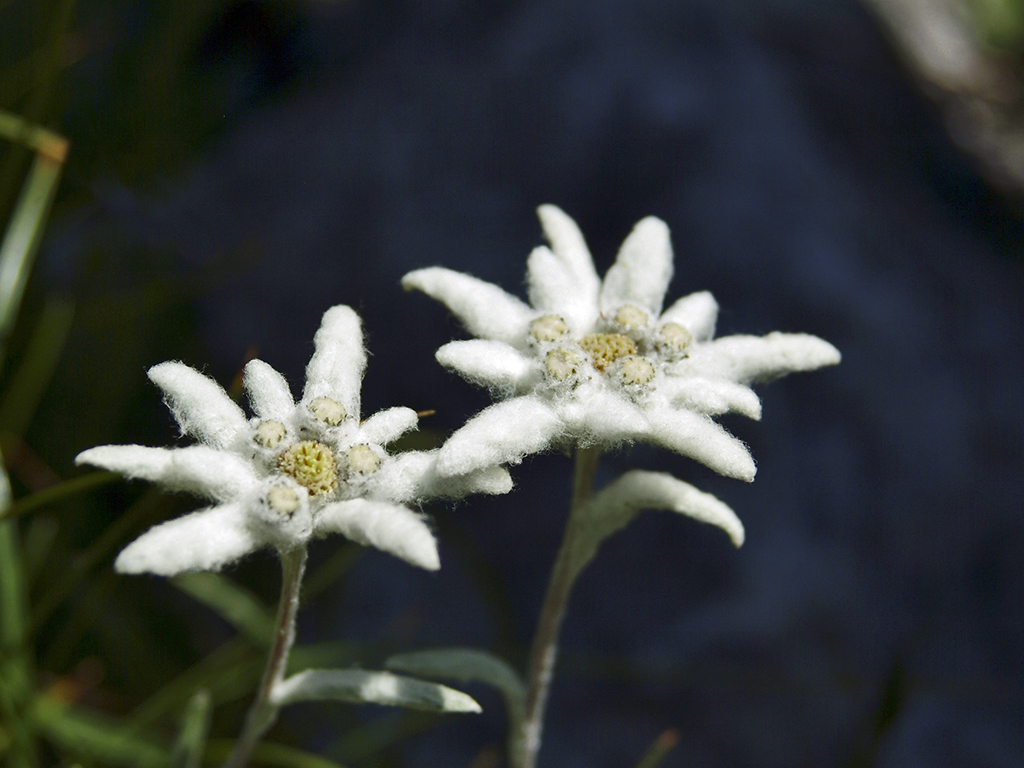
point(206, 540)
point(697, 313)
point(412, 476)
point(269, 393)
point(483, 308)
point(339, 360)
point(200, 405)
point(490, 363)
point(748, 359)
point(618, 502)
point(198, 469)
point(604, 417)
point(642, 269)
point(388, 527)
point(502, 434)
point(568, 244)
point(553, 288)
point(388, 425)
point(711, 396)
point(697, 436)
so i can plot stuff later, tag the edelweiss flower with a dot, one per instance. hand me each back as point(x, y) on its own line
point(598, 362)
point(292, 472)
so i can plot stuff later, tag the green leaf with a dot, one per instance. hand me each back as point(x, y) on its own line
point(359, 686)
point(620, 501)
point(95, 738)
point(236, 605)
point(188, 750)
point(267, 754)
point(472, 665)
point(465, 665)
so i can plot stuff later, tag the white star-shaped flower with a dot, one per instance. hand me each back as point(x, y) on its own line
point(592, 362)
point(292, 472)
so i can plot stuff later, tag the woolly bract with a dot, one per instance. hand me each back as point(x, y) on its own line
point(292, 472)
point(592, 362)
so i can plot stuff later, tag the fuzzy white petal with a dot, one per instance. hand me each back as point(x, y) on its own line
point(217, 475)
point(502, 434)
point(697, 436)
point(568, 244)
point(339, 360)
point(206, 540)
point(747, 359)
point(269, 393)
point(642, 269)
point(554, 289)
point(605, 417)
point(711, 396)
point(483, 308)
point(389, 527)
point(488, 363)
point(697, 313)
point(388, 425)
point(412, 476)
point(200, 405)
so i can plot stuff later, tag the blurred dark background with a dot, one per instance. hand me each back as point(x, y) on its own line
point(237, 167)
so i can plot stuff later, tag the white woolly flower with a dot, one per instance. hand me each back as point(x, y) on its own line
point(592, 362)
point(292, 472)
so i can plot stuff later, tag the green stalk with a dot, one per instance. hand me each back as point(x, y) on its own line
point(544, 649)
point(263, 712)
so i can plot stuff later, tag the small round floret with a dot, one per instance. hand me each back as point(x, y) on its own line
point(562, 363)
point(636, 370)
point(270, 432)
point(362, 460)
point(673, 340)
point(329, 411)
point(548, 328)
point(631, 318)
point(282, 499)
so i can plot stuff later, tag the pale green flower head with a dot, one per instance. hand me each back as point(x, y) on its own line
point(293, 471)
point(599, 362)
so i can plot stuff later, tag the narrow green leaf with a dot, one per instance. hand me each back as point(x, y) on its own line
point(29, 382)
point(25, 229)
point(236, 605)
point(267, 754)
point(662, 745)
point(358, 686)
point(60, 492)
point(94, 738)
point(188, 750)
point(620, 501)
point(473, 665)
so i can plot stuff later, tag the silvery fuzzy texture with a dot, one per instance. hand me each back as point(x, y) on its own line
point(668, 398)
point(240, 469)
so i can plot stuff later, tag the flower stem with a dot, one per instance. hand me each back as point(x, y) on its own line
point(263, 712)
point(563, 576)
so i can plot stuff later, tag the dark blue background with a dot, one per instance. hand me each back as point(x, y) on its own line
point(875, 615)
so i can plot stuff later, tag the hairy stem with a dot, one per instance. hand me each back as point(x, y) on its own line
point(263, 711)
point(545, 641)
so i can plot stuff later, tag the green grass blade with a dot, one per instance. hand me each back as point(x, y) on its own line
point(58, 493)
point(95, 738)
point(271, 755)
point(188, 751)
point(662, 745)
point(236, 605)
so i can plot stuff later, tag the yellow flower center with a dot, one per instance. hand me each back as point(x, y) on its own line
point(674, 339)
point(605, 348)
point(312, 465)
